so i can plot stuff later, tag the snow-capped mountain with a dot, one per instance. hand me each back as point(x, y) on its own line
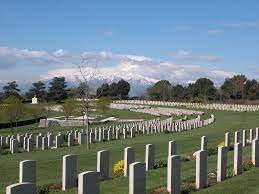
point(97, 77)
point(138, 83)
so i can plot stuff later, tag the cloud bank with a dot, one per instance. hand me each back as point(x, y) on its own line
point(45, 65)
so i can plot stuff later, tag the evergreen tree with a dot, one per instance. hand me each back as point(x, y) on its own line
point(11, 89)
point(57, 90)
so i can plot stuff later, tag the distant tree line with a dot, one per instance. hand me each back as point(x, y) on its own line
point(58, 91)
point(119, 90)
point(237, 88)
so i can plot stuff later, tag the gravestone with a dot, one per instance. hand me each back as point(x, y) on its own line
point(27, 171)
point(150, 156)
point(21, 188)
point(129, 157)
point(255, 152)
point(171, 148)
point(88, 183)
point(174, 174)
point(222, 163)
point(103, 163)
point(137, 178)
point(238, 161)
point(201, 169)
point(227, 140)
point(69, 172)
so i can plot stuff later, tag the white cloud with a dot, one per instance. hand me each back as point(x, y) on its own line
point(214, 31)
point(62, 63)
point(242, 24)
point(60, 53)
point(109, 33)
point(186, 55)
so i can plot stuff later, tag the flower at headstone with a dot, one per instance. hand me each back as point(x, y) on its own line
point(118, 168)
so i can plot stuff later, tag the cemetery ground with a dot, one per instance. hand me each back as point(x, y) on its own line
point(49, 162)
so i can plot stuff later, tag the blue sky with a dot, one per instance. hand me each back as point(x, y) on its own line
point(43, 38)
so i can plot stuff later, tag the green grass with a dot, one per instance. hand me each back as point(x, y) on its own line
point(49, 163)
point(122, 114)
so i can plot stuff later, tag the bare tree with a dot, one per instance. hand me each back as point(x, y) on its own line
point(87, 71)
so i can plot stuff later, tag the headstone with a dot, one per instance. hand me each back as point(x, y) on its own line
point(109, 135)
point(21, 188)
point(50, 140)
point(70, 139)
point(227, 140)
point(244, 138)
point(137, 178)
point(58, 141)
point(125, 133)
point(25, 139)
point(29, 145)
point(100, 136)
point(251, 135)
point(14, 146)
point(44, 143)
point(27, 171)
point(3, 141)
point(238, 167)
point(150, 156)
point(174, 174)
point(237, 137)
point(69, 172)
point(129, 157)
point(38, 141)
point(201, 169)
point(222, 163)
point(91, 137)
point(204, 143)
point(255, 152)
point(257, 133)
point(88, 183)
point(117, 134)
point(103, 163)
point(132, 133)
point(171, 148)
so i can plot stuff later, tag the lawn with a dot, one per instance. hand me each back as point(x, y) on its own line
point(49, 162)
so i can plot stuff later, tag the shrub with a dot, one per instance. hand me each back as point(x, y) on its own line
point(158, 190)
point(118, 168)
point(160, 164)
point(188, 187)
point(212, 151)
point(221, 144)
point(185, 158)
point(247, 165)
point(43, 189)
point(4, 151)
point(212, 178)
point(229, 172)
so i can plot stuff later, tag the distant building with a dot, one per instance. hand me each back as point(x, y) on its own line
point(34, 100)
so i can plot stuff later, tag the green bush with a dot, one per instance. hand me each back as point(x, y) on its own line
point(247, 165)
point(188, 187)
point(212, 151)
point(160, 164)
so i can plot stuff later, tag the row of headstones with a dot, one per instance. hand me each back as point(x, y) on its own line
point(27, 141)
point(127, 106)
point(157, 111)
point(88, 182)
point(214, 106)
